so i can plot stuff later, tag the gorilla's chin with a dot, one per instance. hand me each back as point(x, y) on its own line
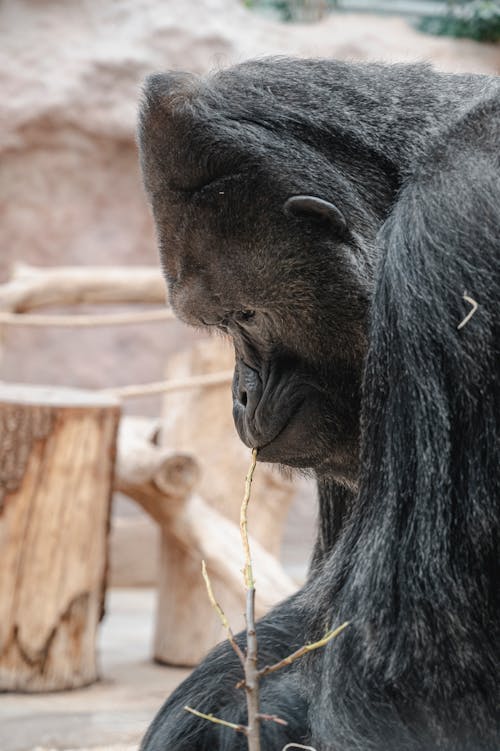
point(275, 454)
point(300, 446)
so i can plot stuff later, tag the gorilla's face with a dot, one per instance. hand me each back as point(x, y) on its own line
point(264, 239)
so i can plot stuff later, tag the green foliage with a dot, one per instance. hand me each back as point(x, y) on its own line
point(475, 19)
point(280, 7)
point(293, 10)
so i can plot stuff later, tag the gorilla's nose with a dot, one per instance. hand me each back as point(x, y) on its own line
point(247, 393)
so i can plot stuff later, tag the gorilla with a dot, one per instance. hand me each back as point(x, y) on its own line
point(340, 223)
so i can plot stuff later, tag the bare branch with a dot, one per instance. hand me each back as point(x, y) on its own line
point(251, 670)
point(247, 571)
point(210, 717)
point(252, 674)
point(302, 651)
point(221, 614)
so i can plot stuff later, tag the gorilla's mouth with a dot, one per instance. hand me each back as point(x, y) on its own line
point(274, 445)
point(290, 444)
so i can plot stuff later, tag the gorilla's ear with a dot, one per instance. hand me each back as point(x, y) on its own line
point(310, 207)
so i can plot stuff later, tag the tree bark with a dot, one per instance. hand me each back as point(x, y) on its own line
point(57, 449)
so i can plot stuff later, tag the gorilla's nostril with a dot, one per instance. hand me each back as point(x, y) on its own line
point(247, 390)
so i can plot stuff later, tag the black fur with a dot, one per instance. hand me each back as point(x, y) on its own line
point(349, 361)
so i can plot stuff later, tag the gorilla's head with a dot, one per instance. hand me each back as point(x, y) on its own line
point(266, 218)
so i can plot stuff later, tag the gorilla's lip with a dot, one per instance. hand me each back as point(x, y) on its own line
point(287, 460)
point(275, 439)
point(253, 437)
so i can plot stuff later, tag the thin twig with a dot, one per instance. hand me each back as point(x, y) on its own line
point(250, 668)
point(221, 614)
point(84, 320)
point(302, 651)
point(247, 571)
point(471, 312)
point(210, 717)
point(249, 661)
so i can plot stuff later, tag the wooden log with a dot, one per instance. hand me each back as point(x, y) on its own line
point(141, 462)
point(32, 287)
point(57, 451)
point(162, 481)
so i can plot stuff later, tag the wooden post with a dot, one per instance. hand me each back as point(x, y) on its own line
point(57, 450)
point(199, 421)
point(162, 482)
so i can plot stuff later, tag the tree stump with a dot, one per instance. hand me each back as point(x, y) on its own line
point(57, 450)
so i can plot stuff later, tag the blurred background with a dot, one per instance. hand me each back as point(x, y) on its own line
point(70, 195)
